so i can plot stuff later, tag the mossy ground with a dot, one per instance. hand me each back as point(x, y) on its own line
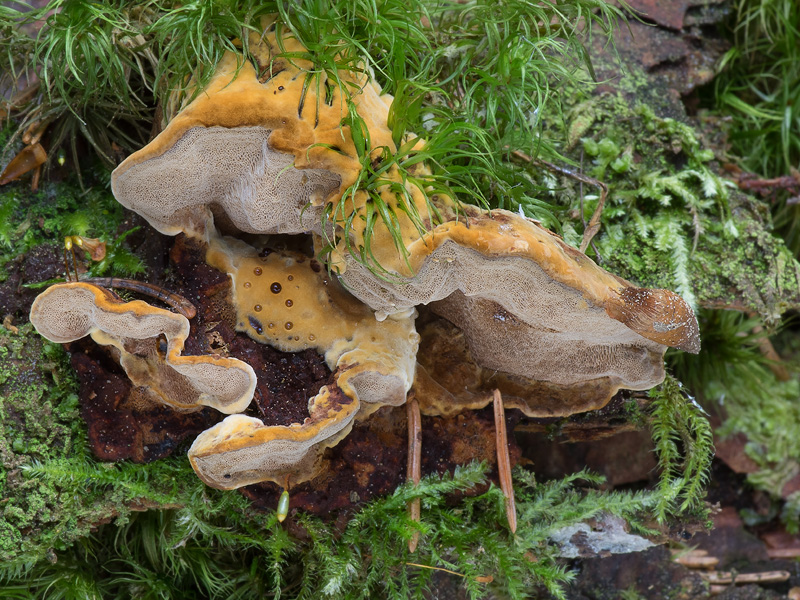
point(40, 422)
point(671, 221)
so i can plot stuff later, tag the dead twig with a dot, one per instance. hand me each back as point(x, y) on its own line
point(478, 578)
point(179, 303)
point(504, 461)
point(414, 462)
point(749, 182)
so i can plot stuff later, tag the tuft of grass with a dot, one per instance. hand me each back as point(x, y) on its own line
point(470, 78)
point(759, 84)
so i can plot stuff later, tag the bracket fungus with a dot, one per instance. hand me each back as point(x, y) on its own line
point(149, 341)
point(535, 311)
point(286, 300)
point(262, 150)
point(268, 148)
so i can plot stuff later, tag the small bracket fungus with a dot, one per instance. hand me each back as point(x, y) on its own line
point(149, 341)
point(287, 301)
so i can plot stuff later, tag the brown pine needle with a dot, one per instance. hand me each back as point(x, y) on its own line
point(728, 577)
point(414, 462)
point(479, 578)
point(504, 461)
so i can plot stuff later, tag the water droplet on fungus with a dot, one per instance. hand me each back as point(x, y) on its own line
point(311, 337)
point(247, 284)
point(257, 270)
point(290, 278)
point(288, 325)
point(275, 288)
point(271, 326)
point(257, 308)
point(289, 303)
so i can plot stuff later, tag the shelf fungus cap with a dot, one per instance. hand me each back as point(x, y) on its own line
point(262, 148)
point(286, 300)
point(149, 341)
point(533, 307)
point(241, 450)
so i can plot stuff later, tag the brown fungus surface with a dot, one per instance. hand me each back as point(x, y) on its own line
point(149, 341)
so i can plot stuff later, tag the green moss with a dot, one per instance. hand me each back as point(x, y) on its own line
point(40, 425)
point(38, 420)
point(211, 544)
point(670, 220)
point(30, 219)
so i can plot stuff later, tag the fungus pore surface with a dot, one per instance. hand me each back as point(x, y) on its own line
point(149, 342)
point(287, 300)
point(262, 150)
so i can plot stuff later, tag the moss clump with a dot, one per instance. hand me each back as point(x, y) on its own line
point(670, 220)
point(211, 544)
point(40, 425)
point(38, 420)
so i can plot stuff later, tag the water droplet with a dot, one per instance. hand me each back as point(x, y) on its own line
point(290, 278)
point(289, 303)
point(280, 88)
point(271, 325)
point(275, 288)
point(311, 337)
point(257, 271)
point(247, 284)
point(297, 338)
point(288, 325)
point(257, 308)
